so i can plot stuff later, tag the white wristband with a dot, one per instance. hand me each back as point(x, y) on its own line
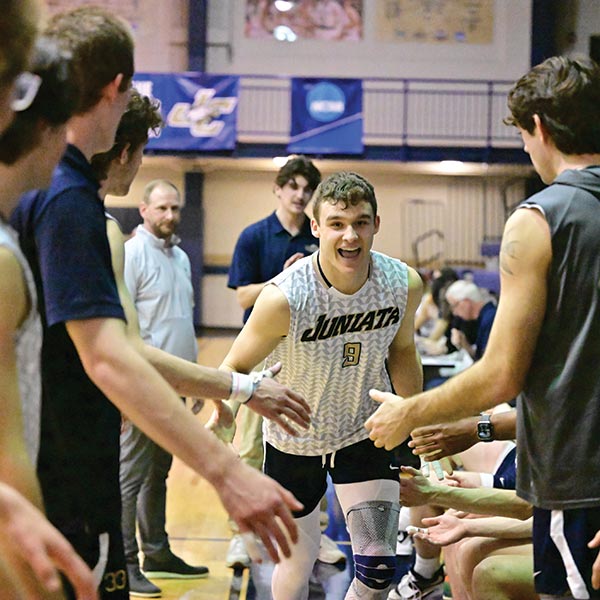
point(242, 387)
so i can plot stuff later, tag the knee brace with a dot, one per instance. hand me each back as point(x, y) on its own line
point(373, 527)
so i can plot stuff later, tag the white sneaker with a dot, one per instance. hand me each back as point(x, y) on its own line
point(414, 587)
point(237, 555)
point(404, 545)
point(329, 552)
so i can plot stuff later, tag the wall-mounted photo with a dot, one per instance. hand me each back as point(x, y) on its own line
point(439, 21)
point(292, 20)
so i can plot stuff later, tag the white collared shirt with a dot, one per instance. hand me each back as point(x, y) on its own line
point(158, 276)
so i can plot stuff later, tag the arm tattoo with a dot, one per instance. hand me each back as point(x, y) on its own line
point(508, 251)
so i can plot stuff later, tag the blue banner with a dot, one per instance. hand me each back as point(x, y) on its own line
point(326, 116)
point(199, 110)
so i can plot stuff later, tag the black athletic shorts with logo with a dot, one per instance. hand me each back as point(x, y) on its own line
point(306, 476)
point(102, 552)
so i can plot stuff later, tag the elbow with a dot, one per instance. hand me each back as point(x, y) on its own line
point(101, 368)
point(242, 299)
point(507, 381)
point(98, 370)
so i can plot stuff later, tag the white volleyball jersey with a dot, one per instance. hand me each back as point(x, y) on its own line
point(336, 351)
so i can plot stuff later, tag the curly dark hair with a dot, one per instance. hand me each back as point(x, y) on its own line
point(299, 165)
point(345, 187)
point(141, 116)
point(565, 93)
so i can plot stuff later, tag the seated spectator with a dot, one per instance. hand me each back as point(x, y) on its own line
point(473, 311)
point(477, 567)
point(426, 577)
point(433, 317)
point(471, 303)
point(492, 558)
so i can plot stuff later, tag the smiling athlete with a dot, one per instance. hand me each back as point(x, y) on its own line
point(341, 321)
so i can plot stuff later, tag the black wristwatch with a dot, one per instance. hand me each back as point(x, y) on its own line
point(485, 429)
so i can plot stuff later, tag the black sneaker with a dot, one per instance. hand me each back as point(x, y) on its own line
point(172, 567)
point(139, 586)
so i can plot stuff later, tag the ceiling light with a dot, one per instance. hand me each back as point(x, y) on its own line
point(452, 166)
point(279, 161)
point(284, 5)
point(283, 33)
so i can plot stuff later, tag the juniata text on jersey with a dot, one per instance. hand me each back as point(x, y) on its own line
point(363, 321)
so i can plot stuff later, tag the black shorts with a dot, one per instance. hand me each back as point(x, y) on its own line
point(114, 584)
point(561, 559)
point(306, 476)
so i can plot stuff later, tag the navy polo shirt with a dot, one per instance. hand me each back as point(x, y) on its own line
point(263, 248)
point(485, 320)
point(63, 234)
point(67, 224)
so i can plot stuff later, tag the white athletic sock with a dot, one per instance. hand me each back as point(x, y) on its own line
point(404, 520)
point(426, 567)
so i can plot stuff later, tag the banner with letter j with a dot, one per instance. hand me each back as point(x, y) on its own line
point(327, 116)
point(199, 110)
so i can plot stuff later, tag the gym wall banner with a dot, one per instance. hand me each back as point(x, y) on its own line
point(199, 110)
point(327, 116)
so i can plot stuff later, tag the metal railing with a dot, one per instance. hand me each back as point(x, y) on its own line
point(396, 112)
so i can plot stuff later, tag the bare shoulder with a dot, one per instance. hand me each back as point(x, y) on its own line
point(116, 242)
point(13, 291)
point(114, 231)
point(415, 288)
point(271, 310)
point(273, 298)
point(526, 241)
point(414, 280)
point(115, 236)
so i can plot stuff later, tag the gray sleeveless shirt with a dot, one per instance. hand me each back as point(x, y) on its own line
point(28, 343)
point(559, 408)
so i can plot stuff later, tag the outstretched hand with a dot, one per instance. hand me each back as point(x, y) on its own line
point(433, 442)
point(595, 543)
point(389, 425)
point(222, 423)
point(441, 468)
point(274, 401)
point(443, 530)
point(28, 536)
point(292, 259)
point(259, 505)
point(416, 489)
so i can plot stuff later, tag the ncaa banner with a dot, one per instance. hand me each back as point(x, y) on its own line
point(326, 116)
point(199, 110)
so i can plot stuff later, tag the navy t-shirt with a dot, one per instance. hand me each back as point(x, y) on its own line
point(63, 234)
point(505, 476)
point(484, 327)
point(263, 248)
